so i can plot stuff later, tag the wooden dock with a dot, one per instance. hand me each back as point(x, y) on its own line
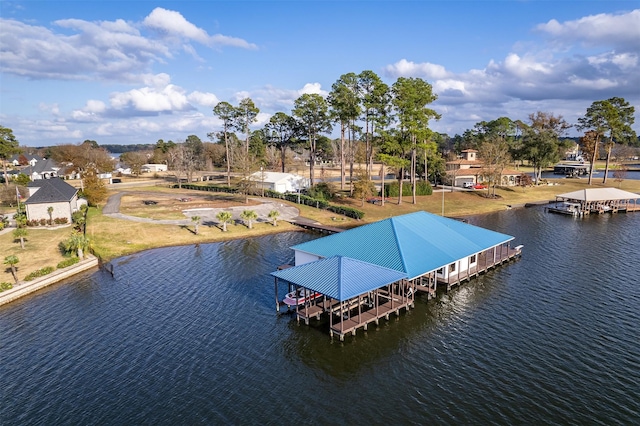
point(349, 315)
point(315, 226)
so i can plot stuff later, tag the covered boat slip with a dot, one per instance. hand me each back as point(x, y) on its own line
point(355, 293)
point(596, 200)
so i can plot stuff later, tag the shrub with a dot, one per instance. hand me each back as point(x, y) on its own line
point(347, 211)
point(68, 262)
point(5, 286)
point(43, 222)
point(322, 191)
point(60, 220)
point(422, 188)
point(39, 273)
point(210, 188)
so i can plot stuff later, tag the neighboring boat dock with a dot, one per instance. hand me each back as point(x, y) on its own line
point(572, 168)
point(595, 201)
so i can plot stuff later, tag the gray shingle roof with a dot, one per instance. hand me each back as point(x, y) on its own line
point(53, 190)
point(47, 165)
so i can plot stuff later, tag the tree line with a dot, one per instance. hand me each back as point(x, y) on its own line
point(385, 124)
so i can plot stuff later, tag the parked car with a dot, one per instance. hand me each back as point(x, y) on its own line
point(479, 186)
point(468, 184)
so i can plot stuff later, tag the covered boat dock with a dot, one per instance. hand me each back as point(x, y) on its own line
point(354, 293)
point(425, 249)
point(597, 201)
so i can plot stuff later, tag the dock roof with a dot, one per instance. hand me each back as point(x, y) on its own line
point(599, 194)
point(339, 277)
point(414, 244)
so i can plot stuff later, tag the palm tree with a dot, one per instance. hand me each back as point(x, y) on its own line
point(12, 260)
point(50, 211)
point(273, 215)
point(224, 218)
point(249, 216)
point(20, 234)
point(78, 243)
point(196, 221)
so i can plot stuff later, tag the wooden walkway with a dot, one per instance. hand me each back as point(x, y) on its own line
point(315, 226)
point(363, 319)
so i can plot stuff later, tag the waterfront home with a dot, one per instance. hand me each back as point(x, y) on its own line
point(423, 248)
point(469, 170)
point(56, 193)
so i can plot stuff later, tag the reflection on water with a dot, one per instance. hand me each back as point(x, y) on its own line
point(190, 335)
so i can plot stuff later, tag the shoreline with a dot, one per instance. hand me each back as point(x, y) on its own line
point(115, 238)
point(24, 288)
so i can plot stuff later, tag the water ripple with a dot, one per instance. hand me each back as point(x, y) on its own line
point(189, 335)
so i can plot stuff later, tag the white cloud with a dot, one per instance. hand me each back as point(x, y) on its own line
point(149, 99)
point(95, 50)
point(92, 111)
point(173, 24)
point(205, 99)
point(599, 84)
point(101, 50)
point(155, 80)
point(561, 81)
point(312, 89)
point(621, 31)
point(404, 68)
point(525, 67)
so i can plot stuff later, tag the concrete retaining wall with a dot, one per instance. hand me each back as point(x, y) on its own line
point(26, 287)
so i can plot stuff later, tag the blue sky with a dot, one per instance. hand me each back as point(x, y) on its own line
point(138, 71)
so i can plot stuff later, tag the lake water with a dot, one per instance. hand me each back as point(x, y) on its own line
point(189, 335)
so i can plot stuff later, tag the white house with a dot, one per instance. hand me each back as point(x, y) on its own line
point(24, 159)
point(44, 169)
point(154, 168)
point(280, 182)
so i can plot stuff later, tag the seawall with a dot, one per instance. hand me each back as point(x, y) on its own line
point(27, 287)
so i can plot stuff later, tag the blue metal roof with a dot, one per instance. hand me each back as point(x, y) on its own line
point(414, 243)
point(340, 277)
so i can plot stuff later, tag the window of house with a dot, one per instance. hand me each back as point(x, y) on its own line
point(472, 259)
point(452, 267)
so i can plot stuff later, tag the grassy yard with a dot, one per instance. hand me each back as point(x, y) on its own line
point(169, 203)
point(40, 250)
point(117, 237)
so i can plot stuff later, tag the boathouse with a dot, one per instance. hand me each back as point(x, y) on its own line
point(424, 248)
point(596, 200)
point(356, 293)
